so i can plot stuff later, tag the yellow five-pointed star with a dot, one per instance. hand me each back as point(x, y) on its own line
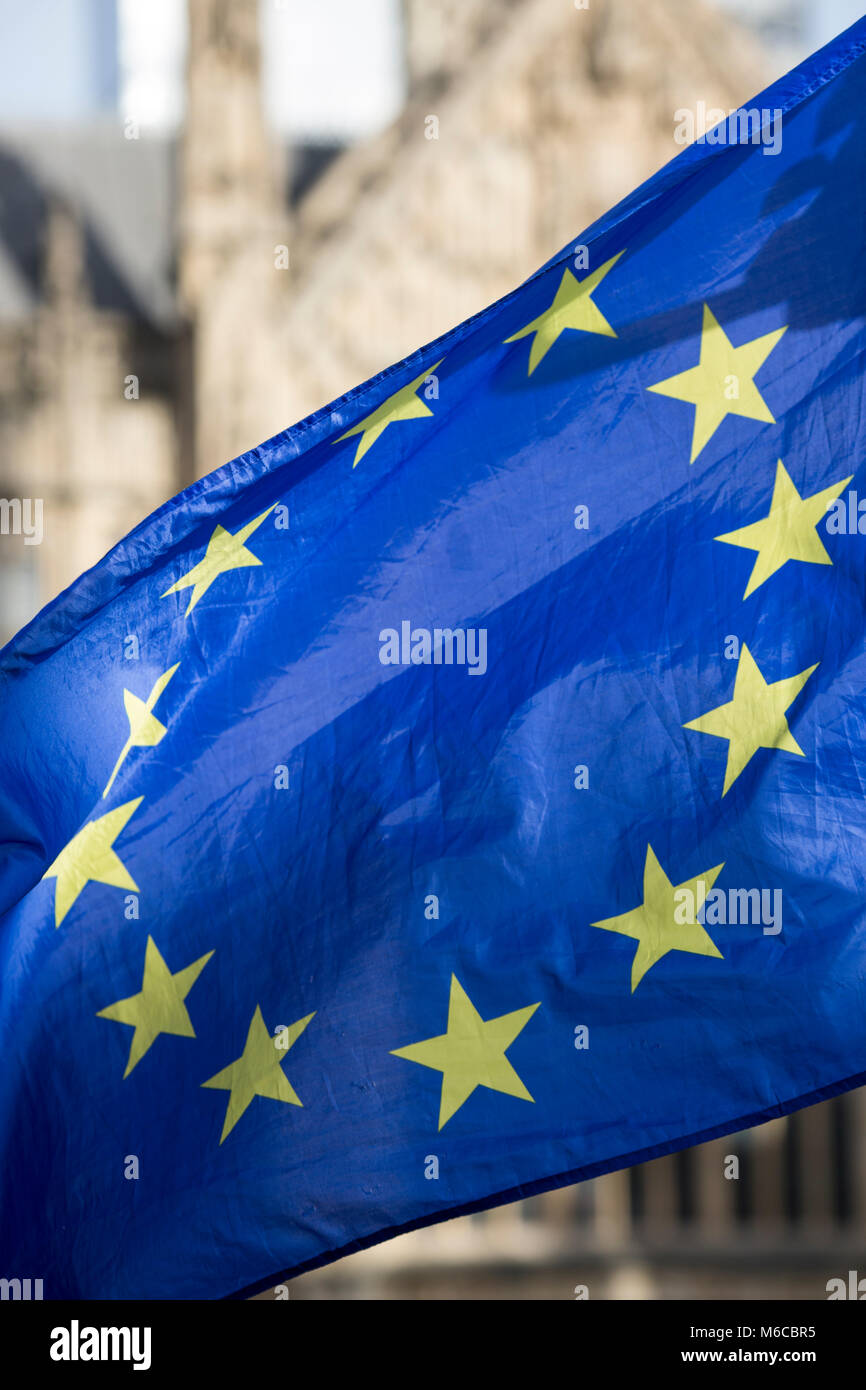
point(572, 307)
point(403, 405)
point(258, 1071)
point(755, 717)
point(145, 730)
point(723, 381)
point(471, 1053)
point(159, 1007)
point(225, 551)
point(89, 857)
point(666, 919)
point(788, 531)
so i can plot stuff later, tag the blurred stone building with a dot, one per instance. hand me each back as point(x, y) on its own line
point(680, 1227)
point(166, 304)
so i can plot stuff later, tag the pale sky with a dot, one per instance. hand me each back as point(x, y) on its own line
point(333, 69)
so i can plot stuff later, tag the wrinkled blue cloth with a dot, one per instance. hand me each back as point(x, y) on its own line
point(357, 865)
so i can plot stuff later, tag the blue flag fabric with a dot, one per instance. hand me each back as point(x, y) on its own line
point(461, 794)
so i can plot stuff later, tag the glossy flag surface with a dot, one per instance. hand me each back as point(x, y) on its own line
point(464, 792)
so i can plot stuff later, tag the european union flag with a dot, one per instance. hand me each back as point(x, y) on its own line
point(462, 794)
